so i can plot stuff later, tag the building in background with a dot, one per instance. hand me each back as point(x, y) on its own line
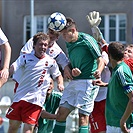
point(117, 18)
point(116, 25)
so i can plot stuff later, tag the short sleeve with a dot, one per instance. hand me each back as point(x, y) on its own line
point(3, 38)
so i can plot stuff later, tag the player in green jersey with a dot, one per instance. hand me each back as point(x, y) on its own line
point(46, 120)
point(84, 54)
point(120, 89)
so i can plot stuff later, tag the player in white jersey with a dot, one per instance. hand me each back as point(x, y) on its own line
point(31, 92)
point(53, 51)
point(4, 45)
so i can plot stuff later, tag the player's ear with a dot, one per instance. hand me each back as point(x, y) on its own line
point(73, 30)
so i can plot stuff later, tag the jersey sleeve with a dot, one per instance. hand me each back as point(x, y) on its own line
point(3, 38)
point(28, 47)
point(54, 70)
point(93, 46)
point(20, 62)
point(126, 80)
point(105, 57)
point(62, 60)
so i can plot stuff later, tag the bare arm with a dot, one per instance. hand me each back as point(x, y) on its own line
point(60, 83)
point(67, 72)
point(99, 83)
point(4, 73)
point(47, 115)
point(126, 114)
point(7, 56)
point(11, 70)
point(101, 65)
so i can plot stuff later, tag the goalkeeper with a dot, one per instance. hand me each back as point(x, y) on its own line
point(97, 117)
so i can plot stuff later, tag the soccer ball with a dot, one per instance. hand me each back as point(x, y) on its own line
point(56, 21)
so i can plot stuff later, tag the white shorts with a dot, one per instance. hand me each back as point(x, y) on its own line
point(113, 129)
point(80, 94)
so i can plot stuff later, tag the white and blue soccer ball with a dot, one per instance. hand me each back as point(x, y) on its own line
point(56, 21)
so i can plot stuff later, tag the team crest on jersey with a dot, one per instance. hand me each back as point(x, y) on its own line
point(51, 51)
point(46, 63)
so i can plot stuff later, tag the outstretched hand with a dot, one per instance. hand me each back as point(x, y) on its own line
point(94, 20)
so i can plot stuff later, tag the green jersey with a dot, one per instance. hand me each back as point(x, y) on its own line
point(83, 54)
point(120, 84)
point(51, 104)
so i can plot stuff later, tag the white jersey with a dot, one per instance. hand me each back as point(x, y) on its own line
point(3, 38)
point(35, 81)
point(54, 51)
point(105, 76)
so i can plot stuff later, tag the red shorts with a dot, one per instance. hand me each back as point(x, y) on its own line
point(97, 117)
point(24, 111)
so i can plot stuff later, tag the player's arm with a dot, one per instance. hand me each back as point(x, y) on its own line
point(68, 72)
point(7, 56)
point(101, 65)
point(126, 114)
point(47, 115)
point(60, 83)
point(20, 62)
point(94, 20)
point(4, 73)
point(64, 62)
point(100, 83)
point(56, 74)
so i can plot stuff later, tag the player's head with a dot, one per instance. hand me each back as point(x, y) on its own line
point(69, 33)
point(129, 51)
point(54, 35)
point(40, 43)
point(116, 51)
point(51, 87)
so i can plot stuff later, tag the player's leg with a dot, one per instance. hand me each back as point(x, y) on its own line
point(14, 116)
point(87, 96)
point(83, 123)
point(28, 128)
point(97, 118)
point(13, 126)
point(31, 115)
point(63, 112)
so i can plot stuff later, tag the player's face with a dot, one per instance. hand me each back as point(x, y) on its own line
point(67, 35)
point(51, 87)
point(54, 35)
point(128, 52)
point(41, 47)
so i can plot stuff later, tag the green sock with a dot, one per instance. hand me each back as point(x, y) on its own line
point(60, 127)
point(83, 129)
